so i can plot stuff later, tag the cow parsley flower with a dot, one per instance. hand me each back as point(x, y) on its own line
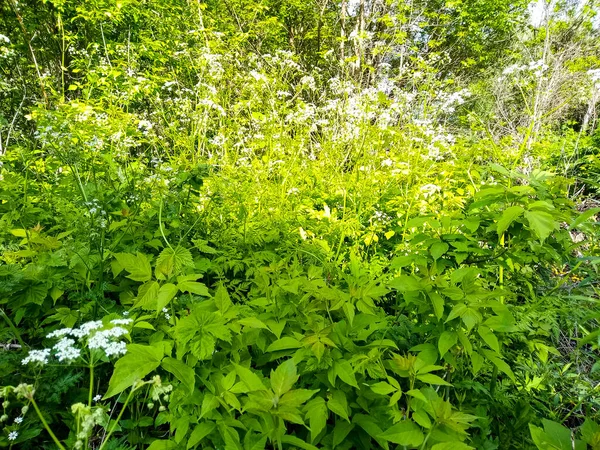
point(65, 350)
point(59, 333)
point(121, 321)
point(104, 340)
point(38, 356)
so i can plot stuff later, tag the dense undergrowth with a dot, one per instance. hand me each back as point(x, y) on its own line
point(243, 225)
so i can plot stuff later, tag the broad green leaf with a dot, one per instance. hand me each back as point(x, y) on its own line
point(337, 404)
point(249, 378)
point(438, 249)
point(430, 378)
point(166, 293)
point(405, 433)
point(138, 266)
point(222, 300)
point(252, 322)
point(171, 261)
point(447, 340)
point(182, 372)
point(437, 301)
point(285, 343)
point(489, 338)
point(138, 362)
point(344, 370)
point(383, 388)
point(509, 215)
point(341, 431)
point(284, 377)
point(162, 445)
point(202, 430)
point(542, 223)
point(296, 398)
point(317, 414)
point(193, 287)
point(147, 296)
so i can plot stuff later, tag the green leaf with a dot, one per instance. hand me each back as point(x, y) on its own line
point(284, 377)
point(285, 343)
point(249, 378)
point(200, 432)
point(222, 300)
point(583, 217)
point(344, 370)
point(296, 398)
point(162, 445)
point(447, 340)
point(499, 363)
point(138, 362)
point(166, 293)
point(193, 287)
point(405, 433)
point(541, 223)
point(455, 445)
point(147, 296)
point(383, 388)
point(437, 302)
point(317, 414)
point(338, 404)
point(293, 440)
point(341, 431)
point(430, 378)
point(171, 261)
point(438, 249)
point(509, 215)
point(138, 266)
point(371, 427)
point(182, 372)
point(489, 338)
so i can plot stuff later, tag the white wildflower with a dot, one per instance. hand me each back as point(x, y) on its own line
point(121, 321)
point(429, 189)
point(65, 350)
point(59, 333)
point(4, 39)
point(39, 356)
point(87, 328)
point(18, 419)
point(13, 435)
point(97, 398)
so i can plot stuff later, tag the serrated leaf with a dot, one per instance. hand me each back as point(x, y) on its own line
point(438, 249)
point(147, 296)
point(383, 388)
point(437, 301)
point(317, 414)
point(137, 265)
point(172, 261)
point(541, 223)
point(222, 300)
point(499, 363)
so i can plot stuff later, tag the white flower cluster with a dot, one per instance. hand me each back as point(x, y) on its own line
point(537, 67)
point(4, 39)
point(595, 77)
point(39, 356)
point(65, 350)
point(96, 338)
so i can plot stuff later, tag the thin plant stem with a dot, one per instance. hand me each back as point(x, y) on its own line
point(46, 426)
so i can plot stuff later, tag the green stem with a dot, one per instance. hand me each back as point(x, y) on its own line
point(116, 422)
point(46, 426)
point(13, 328)
point(90, 394)
point(160, 226)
